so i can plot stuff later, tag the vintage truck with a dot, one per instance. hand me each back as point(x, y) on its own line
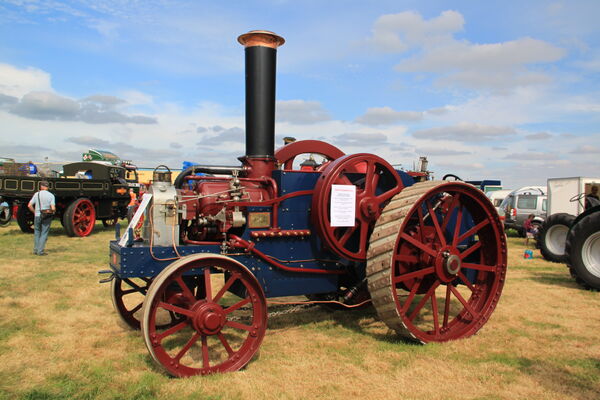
point(85, 192)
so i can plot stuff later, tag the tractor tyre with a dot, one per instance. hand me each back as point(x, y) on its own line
point(552, 236)
point(583, 251)
point(79, 218)
point(25, 218)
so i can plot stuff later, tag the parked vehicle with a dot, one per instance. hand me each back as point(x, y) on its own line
point(520, 203)
point(496, 197)
point(566, 200)
point(87, 191)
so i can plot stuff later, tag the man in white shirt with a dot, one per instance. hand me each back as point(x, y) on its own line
point(43, 206)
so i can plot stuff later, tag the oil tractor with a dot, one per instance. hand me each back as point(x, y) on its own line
point(219, 244)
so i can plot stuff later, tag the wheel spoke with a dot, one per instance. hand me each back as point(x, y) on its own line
point(207, 284)
point(347, 234)
point(434, 310)
point(237, 325)
point(411, 296)
point(419, 245)
point(416, 274)
point(463, 301)
point(185, 289)
point(447, 306)
point(370, 184)
point(472, 231)
point(364, 232)
point(136, 287)
point(171, 330)
point(225, 343)
point(135, 309)
point(466, 281)
point(470, 250)
point(405, 258)
point(421, 303)
point(187, 346)
point(176, 309)
point(385, 196)
point(205, 362)
point(459, 214)
point(421, 223)
point(237, 305)
point(451, 207)
point(436, 223)
point(225, 287)
point(480, 267)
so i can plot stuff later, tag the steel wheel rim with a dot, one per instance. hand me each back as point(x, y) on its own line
point(84, 218)
point(590, 254)
point(556, 239)
point(208, 324)
point(422, 264)
point(375, 188)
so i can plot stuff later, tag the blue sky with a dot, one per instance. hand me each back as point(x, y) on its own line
point(484, 89)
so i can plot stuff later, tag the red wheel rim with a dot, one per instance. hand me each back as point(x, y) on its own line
point(287, 154)
point(448, 275)
point(219, 331)
point(376, 183)
point(84, 218)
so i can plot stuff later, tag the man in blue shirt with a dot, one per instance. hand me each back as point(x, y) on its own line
point(41, 204)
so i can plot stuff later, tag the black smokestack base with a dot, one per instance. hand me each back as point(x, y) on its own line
point(261, 61)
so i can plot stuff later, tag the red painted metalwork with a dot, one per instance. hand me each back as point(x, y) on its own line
point(238, 242)
point(376, 182)
point(431, 256)
point(287, 154)
point(219, 331)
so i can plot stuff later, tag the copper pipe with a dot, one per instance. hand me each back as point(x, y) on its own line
point(261, 38)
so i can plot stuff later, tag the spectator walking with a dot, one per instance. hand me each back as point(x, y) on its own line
point(43, 206)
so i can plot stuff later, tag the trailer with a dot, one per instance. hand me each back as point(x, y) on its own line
point(87, 191)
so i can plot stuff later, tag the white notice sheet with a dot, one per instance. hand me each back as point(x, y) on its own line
point(343, 205)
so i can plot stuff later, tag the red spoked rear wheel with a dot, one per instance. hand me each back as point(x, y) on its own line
point(223, 318)
point(376, 183)
point(79, 218)
point(438, 253)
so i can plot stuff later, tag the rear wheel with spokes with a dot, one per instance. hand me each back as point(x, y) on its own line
point(437, 261)
point(223, 318)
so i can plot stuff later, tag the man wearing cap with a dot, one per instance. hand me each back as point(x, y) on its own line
point(43, 206)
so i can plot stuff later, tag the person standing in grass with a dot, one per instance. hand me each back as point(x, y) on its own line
point(131, 206)
point(43, 206)
point(529, 228)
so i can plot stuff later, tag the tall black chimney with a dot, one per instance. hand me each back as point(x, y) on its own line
point(261, 51)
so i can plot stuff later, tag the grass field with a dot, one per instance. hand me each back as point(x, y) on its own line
point(61, 339)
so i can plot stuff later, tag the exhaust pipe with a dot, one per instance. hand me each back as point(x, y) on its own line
point(261, 51)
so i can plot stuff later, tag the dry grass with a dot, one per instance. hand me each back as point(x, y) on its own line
point(60, 338)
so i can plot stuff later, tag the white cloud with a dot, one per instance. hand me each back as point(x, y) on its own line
point(586, 149)
point(301, 112)
point(466, 132)
point(18, 82)
point(386, 116)
point(398, 32)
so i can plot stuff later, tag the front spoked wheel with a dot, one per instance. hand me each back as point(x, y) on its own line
point(223, 318)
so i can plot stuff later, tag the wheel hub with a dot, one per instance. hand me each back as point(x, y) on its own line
point(448, 264)
point(209, 318)
point(369, 208)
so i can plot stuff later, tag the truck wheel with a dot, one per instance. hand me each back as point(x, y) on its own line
point(79, 218)
point(25, 218)
point(552, 236)
point(5, 216)
point(583, 251)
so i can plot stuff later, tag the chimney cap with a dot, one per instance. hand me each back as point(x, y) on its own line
point(261, 38)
